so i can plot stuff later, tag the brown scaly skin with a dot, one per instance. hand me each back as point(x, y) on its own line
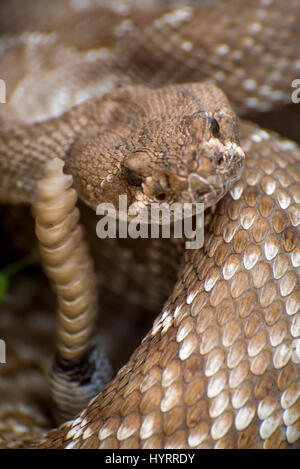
point(220, 369)
point(151, 151)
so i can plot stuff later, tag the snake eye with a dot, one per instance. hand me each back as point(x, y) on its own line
point(132, 177)
point(161, 196)
point(214, 127)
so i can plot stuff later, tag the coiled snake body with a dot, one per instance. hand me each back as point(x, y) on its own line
point(220, 366)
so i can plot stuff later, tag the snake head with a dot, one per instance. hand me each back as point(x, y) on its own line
point(174, 144)
point(189, 153)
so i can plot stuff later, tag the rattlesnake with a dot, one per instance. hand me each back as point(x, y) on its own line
point(220, 367)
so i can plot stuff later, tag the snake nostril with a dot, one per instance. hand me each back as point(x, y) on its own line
point(220, 160)
point(214, 127)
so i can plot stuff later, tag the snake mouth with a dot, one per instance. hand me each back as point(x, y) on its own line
point(219, 167)
point(199, 185)
point(210, 190)
point(202, 191)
